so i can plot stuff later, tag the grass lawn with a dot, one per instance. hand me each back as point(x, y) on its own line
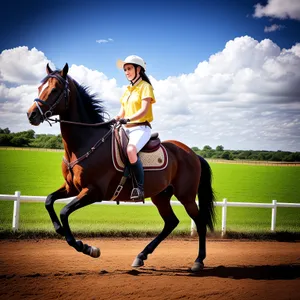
point(38, 173)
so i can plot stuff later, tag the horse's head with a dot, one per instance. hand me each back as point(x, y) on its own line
point(53, 96)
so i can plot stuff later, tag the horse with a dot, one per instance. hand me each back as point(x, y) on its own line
point(90, 176)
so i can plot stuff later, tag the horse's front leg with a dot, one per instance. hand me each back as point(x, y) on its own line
point(59, 194)
point(85, 197)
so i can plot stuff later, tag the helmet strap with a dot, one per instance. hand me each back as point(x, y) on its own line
point(135, 79)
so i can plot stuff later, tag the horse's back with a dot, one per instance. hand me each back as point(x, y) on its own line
point(176, 146)
point(183, 154)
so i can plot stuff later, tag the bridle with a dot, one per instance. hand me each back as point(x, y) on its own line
point(63, 95)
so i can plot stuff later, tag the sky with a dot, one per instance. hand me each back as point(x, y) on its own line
point(224, 72)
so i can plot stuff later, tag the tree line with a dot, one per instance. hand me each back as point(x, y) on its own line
point(257, 155)
point(30, 139)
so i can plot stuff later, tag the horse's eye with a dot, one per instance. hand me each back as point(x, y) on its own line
point(54, 90)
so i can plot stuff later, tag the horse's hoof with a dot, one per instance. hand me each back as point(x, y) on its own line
point(137, 263)
point(197, 267)
point(95, 252)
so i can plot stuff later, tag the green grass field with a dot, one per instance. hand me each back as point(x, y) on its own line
point(39, 173)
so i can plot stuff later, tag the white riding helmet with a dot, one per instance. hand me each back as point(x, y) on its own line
point(131, 59)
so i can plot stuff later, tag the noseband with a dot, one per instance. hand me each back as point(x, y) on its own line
point(64, 94)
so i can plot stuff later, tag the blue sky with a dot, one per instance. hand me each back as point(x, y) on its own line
point(174, 38)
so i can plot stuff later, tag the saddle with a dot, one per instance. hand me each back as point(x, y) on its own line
point(153, 155)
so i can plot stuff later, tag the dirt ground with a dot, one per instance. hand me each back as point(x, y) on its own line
point(51, 269)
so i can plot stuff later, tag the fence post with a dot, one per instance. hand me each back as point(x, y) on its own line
point(274, 212)
point(16, 213)
point(224, 216)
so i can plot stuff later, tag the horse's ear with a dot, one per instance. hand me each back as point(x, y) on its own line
point(48, 69)
point(64, 71)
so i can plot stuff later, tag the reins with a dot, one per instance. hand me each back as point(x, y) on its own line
point(86, 155)
point(80, 123)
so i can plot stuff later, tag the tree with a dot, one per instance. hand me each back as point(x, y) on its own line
point(29, 134)
point(227, 155)
point(207, 148)
point(4, 131)
point(53, 143)
point(19, 141)
point(220, 148)
point(5, 139)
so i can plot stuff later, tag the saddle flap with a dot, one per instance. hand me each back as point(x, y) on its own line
point(154, 159)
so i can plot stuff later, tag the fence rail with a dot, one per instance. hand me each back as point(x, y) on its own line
point(17, 198)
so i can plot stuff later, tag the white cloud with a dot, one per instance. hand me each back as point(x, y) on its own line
point(109, 40)
point(282, 9)
point(273, 27)
point(22, 66)
point(244, 97)
point(226, 98)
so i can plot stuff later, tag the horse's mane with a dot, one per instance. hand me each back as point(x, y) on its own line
point(90, 108)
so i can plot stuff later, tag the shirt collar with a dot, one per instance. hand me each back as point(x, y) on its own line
point(132, 87)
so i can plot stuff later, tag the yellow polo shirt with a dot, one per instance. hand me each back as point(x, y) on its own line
point(132, 100)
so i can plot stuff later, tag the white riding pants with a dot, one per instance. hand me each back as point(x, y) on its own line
point(138, 136)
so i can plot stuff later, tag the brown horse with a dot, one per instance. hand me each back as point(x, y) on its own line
point(90, 175)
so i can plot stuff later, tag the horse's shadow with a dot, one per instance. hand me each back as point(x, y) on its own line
point(264, 272)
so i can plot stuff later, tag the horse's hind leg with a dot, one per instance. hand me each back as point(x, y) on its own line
point(83, 199)
point(60, 193)
point(193, 211)
point(162, 202)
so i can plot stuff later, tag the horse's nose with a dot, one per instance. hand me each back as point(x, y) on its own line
point(31, 115)
point(34, 118)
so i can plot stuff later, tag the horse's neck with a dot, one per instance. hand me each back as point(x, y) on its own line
point(75, 111)
point(78, 139)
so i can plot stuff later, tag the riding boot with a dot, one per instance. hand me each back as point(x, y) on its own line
point(137, 193)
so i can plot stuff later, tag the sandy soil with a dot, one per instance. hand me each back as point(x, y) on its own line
point(50, 269)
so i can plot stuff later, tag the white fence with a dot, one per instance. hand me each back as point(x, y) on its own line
point(17, 198)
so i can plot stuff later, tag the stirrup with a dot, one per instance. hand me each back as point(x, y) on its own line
point(137, 195)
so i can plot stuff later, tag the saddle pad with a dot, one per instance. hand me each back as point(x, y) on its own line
point(152, 161)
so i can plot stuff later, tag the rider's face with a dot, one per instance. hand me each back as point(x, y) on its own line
point(129, 71)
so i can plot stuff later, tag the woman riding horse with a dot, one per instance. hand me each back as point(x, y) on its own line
point(90, 175)
point(136, 114)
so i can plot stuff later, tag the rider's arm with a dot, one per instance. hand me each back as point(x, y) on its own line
point(142, 111)
point(120, 114)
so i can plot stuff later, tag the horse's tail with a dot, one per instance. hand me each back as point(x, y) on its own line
point(206, 195)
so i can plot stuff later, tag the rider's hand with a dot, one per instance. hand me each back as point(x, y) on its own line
point(124, 121)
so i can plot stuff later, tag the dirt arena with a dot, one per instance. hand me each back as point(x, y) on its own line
point(50, 269)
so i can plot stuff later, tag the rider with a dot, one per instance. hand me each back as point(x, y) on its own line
point(136, 115)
